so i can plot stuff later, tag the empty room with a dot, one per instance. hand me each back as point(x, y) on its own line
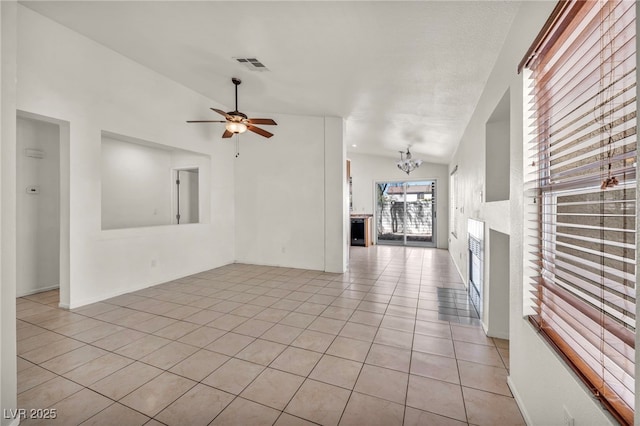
point(310, 212)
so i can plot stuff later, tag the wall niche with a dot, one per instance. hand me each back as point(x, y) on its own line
point(139, 185)
point(497, 154)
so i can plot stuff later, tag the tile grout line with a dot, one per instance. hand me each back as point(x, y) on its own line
point(363, 362)
point(360, 280)
point(88, 388)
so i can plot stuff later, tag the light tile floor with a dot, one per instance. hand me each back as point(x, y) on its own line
point(390, 342)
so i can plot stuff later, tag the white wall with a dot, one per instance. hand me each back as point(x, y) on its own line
point(280, 194)
point(496, 303)
point(38, 214)
point(336, 197)
point(541, 383)
point(66, 76)
point(368, 169)
point(136, 185)
point(8, 368)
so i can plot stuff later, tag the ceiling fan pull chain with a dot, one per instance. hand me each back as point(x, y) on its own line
point(237, 145)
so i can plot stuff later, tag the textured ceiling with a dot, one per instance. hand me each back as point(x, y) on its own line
point(400, 73)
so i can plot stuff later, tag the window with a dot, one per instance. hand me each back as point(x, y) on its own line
point(583, 163)
point(453, 205)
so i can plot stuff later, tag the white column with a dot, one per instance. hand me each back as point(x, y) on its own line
point(8, 49)
point(336, 214)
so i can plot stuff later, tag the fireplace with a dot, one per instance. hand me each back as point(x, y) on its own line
point(475, 230)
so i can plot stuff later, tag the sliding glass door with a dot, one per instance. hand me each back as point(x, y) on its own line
point(405, 213)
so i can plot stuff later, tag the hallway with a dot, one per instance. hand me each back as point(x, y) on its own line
point(393, 341)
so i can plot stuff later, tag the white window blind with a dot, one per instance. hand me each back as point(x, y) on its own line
point(583, 157)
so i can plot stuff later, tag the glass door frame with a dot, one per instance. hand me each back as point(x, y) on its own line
point(434, 219)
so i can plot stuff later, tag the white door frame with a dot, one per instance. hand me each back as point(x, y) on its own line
point(65, 211)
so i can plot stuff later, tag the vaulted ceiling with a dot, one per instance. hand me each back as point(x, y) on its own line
point(400, 73)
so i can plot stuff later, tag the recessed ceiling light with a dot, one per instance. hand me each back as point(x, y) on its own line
point(354, 146)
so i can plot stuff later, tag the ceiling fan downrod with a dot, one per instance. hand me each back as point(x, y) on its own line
point(237, 82)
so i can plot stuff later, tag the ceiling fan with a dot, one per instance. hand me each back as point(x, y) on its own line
point(237, 122)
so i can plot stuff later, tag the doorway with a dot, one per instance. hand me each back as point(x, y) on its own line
point(405, 213)
point(186, 203)
point(38, 206)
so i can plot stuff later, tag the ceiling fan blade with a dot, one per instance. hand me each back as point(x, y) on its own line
point(267, 121)
point(227, 134)
point(221, 112)
point(205, 121)
point(259, 131)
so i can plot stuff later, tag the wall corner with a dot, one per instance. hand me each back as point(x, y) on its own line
point(335, 196)
point(8, 70)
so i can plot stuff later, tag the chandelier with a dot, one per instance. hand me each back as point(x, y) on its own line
point(406, 163)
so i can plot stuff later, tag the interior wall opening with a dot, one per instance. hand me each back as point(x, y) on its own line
point(148, 184)
point(498, 152)
point(38, 205)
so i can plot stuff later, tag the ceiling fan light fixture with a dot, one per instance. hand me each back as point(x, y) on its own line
point(237, 122)
point(236, 127)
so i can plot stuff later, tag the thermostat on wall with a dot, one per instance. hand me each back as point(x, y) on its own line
point(33, 189)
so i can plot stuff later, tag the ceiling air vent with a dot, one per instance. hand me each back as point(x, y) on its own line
point(252, 64)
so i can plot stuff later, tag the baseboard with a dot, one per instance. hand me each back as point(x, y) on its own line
point(38, 290)
point(122, 291)
point(63, 306)
point(492, 333)
point(503, 336)
point(457, 269)
point(519, 402)
point(277, 265)
point(116, 293)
